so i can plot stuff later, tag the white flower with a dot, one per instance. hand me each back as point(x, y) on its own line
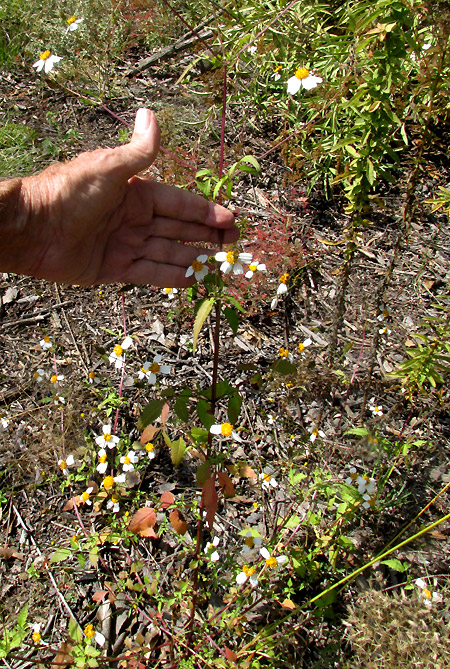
point(170, 292)
point(384, 314)
point(384, 331)
point(150, 450)
point(353, 476)
point(272, 561)
point(224, 430)
point(426, 595)
point(128, 461)
point(366, 484)
point(56, 378)
point(46, 61)
point(369, 501)
point(106, 439)
point(39, 374)
point(274, 303)
point(64, 464)
point(198, 268)
point(255, 267)
point(267, 480)
point(252, 49)
point(117, 354)
point(4, 422)
point(276, 76)
point(93, 378)
point(271, 419)
point(113, 504)
point(314, 433)
point(251, 541)
point(376, 409)
point(102, 461)
point(85, 496)
point(58, 400)
point(73, 24)
point(209, 549)
point(46, 343)
point(302, 79)
point(247, 573)
point(231, 261)
point(282, 288)
point(302, 345)
point(150, 369)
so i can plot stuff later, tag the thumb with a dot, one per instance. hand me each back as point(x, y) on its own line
point(143, 147)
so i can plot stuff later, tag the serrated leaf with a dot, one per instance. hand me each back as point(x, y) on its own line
point(150, 412)
point(177, 451)
point(395, 564)
point(201, 316)
point(234, 408)
point(203, 411)
point(60, 555)
point(232, 318)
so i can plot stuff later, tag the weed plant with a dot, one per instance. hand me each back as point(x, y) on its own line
point(246, 560)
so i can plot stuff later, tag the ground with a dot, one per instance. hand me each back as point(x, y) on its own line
point(289, 230)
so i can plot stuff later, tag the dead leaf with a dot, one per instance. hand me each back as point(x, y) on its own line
point(230, 654)
point(164, 414)
point(288, 604)
point(246, 472)
point(167, 499)
point(226, 484)
point(210, 500)
point(178, 522)
point(142, 520)
point(99, 595)
point(8, 553)
point(149, 433)
point(63, 657)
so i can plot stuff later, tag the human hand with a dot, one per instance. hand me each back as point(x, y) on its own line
point(92, 221)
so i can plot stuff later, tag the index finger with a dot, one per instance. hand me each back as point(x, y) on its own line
point(180, 204)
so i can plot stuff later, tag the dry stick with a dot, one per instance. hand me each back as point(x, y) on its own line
point(192, 30)
point(74, 341)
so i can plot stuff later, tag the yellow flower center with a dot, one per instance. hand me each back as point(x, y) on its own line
point(118, 350)
point(36, 637)
point(353, 476)
point(63, 465)
point(283, 352)
point(301, 347)
point(278, 68)
point(248, 571)
point(144, 371)
point(126, 460)
point(91, 375)
point(168, 290)
point(108, 482)
point(271, 562)
point(44, 56)
point(149, 447)
point(253, 267)
point(71, 20)
point(103, 458)
point(85, 497)
point(114, 499)
point(53, 379)
point(107, 437)
point(284, 277)
point(230, 257)
point(315, 432)
point(302, 73)
point(154, 367)
point(426, 593)
point(89, 631)
point(249, 542)
point(267, 477)
point(226, 429)
point(197, 266)
point(75, 539)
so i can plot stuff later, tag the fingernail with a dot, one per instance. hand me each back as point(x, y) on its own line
point(142, 122)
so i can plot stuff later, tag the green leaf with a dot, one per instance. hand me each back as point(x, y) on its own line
point(283, 366)
point(234, 408)
point(177, 451)
point(358, 431)
point(394, 564)
point(235, 303)
point(232, 318)
point(199, 435)
point(249, 164)
point(60, 555)
point(200, 318)
point(75, 631)
point(22, 617)
point(180, 406)
point(203, 411)
point(150, 412)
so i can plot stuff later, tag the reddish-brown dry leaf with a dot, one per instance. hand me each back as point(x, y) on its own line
point(8, 553)
point(226, 484)
point(242, 470)
point(63, 658)
point(164, 414)
point(178, 522)
point(148, 532)
point(230, 654)
point(142, 519)
point(167, 499)
point(210, 500)
point(99, 595)
point(68, 506)
point(149, 433)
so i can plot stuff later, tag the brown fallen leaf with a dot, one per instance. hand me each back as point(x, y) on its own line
point(226, 484)
point(149, 433)
point(178, 522)
point(142, 520)
point(288, 604)
point(63, 657)
point(99, 595)
point(167, 499)
point(8, 553)
point(230, 654)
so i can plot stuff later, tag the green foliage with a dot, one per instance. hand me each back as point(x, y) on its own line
point(13, 638)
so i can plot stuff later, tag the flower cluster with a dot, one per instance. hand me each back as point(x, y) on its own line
point(367, 487)
point(47, 60)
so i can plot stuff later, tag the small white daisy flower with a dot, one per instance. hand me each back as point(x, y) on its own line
point(376, 409)
point(113, 504)
point(314, 433)
point(276, 76)
point(128, 461)
point(46, 62)
point(247, 574)
point(255, 267)
point(170, 292)
point(102, 461)
point(65, 464)
point(106, 439)
point(352, 477)
point(150, 450)
point(302, 79)
point(210, 549)
point(232, 261)
point(150, 369)
point(224, 430)
point(426, 595)
point(39, 375)
point(198, 268)
point(73, 24)
point(366, 485)
point(85, 497)
point(56, 378)
point(46, 343)
point(252, 49)
point(267, 480)
point(270, 560)
point(117, 354)
point(251, 541)
point(302, 345)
